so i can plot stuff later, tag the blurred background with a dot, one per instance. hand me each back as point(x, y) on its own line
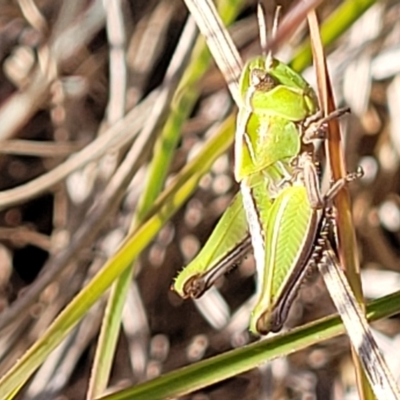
point(71, 75)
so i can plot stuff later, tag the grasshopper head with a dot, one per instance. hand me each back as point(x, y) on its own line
point(274, 87)
point(256, 76)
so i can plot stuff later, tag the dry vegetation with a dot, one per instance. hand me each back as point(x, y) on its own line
point(69, 81)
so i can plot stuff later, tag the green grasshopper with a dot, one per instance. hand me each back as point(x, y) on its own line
point(279, 209)
point(276, 102)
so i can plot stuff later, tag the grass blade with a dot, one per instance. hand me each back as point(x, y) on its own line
point(112, 318)
point(181, 105)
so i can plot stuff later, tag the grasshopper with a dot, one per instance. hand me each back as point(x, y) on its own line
point(279, 209)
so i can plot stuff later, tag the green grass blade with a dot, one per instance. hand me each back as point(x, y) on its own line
point(181, 107)
point(232, 363)
point(108, 337)
point(111, 323)
point(169, 202)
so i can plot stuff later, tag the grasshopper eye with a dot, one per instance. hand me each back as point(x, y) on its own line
point(262, 80)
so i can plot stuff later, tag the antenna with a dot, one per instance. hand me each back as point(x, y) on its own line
point(262, 26)
point(276, 20)
point(263, 32)
point(268, 62)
